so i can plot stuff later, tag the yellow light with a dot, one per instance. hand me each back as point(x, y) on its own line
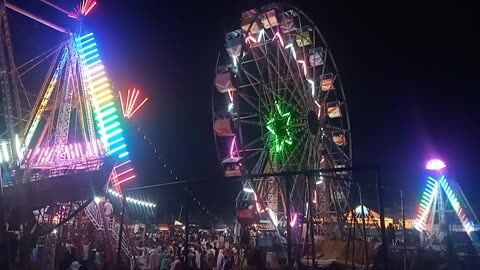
point(93, 77)
point(95, 69)
point(97, 82)
point(104, 99)
point(105, 92)
point(102, 87)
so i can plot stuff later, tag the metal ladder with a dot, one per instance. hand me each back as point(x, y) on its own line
point(95, 216)
point(114, 228)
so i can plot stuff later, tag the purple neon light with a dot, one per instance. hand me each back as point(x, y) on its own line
point(294, 220)
point(435, 164)
point(233, 147)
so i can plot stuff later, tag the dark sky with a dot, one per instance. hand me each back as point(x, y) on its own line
point(409, 70)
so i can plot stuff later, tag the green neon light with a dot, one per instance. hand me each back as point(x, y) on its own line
point(279, 128)
point(106, 113)
point(111, 118)
point(112, 126)
point(106, 106)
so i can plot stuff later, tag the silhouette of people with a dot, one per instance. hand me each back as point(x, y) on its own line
point(390, 234)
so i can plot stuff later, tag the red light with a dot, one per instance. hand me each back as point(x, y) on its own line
point(130, 105)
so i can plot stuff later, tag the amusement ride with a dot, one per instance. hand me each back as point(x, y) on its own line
point(279, 106)
point(67, 150)
point(441, 198)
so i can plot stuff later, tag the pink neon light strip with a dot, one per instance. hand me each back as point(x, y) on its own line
point(67, 151)
point(125, 172)
point(90, 8)
point(294, 220)
point(251, 39)
point(233, 147)
point(138, 107)
point(257, 204)
point(125, 180)
point(77, 152)
point(81, 151)
point(132, 102)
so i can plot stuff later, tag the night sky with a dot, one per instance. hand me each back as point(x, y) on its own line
point(409, 72)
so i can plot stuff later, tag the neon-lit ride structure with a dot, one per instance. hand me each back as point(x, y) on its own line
point(278, 106)
point(69, 145)
point(432, 215)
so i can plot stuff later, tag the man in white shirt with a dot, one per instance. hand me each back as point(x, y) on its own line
point(108, 207)
point(108, 211)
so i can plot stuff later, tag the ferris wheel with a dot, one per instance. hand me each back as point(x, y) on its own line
point(278, 105)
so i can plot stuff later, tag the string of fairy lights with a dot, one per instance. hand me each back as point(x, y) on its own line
point(195, 199)
point(129, 107)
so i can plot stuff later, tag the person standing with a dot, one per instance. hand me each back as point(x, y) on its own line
point(198, 260)
point(220, 260)
point(108, 208)
point(154, 259)
point(176, 265)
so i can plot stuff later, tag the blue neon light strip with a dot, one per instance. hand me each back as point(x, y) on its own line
point(107, 117)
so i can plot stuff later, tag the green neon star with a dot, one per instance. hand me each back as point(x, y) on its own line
point(278, 125)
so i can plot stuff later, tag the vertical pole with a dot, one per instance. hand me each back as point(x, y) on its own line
point(187, 223)
point(379, 185)
point(363, 225)
point(289, 229)
point(404, 232)
point(120, 234)
point(4, 258)
point(310, 219)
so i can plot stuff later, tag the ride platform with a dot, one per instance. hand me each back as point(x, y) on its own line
point(58, 185)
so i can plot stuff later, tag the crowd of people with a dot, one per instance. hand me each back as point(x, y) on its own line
point(168, 251)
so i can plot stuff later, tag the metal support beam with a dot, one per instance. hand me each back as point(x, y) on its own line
point(120, 234)
point(379, 185)
point(265, 175)
point(72, 215)
point(187, 223)
point(310, 222)
point(37, 18)
point(289, 228)
point(55, 6)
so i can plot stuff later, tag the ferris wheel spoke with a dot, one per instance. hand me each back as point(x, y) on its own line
point(266, 96)
point(253, 123)
point(249, 100)
point(317, 155)
point(286, 85)
point(260, 163)
point(294, 151)
point(294, 75)
point(299, 167)
point(259, 93)
point(290, 74)
point(255, 142)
